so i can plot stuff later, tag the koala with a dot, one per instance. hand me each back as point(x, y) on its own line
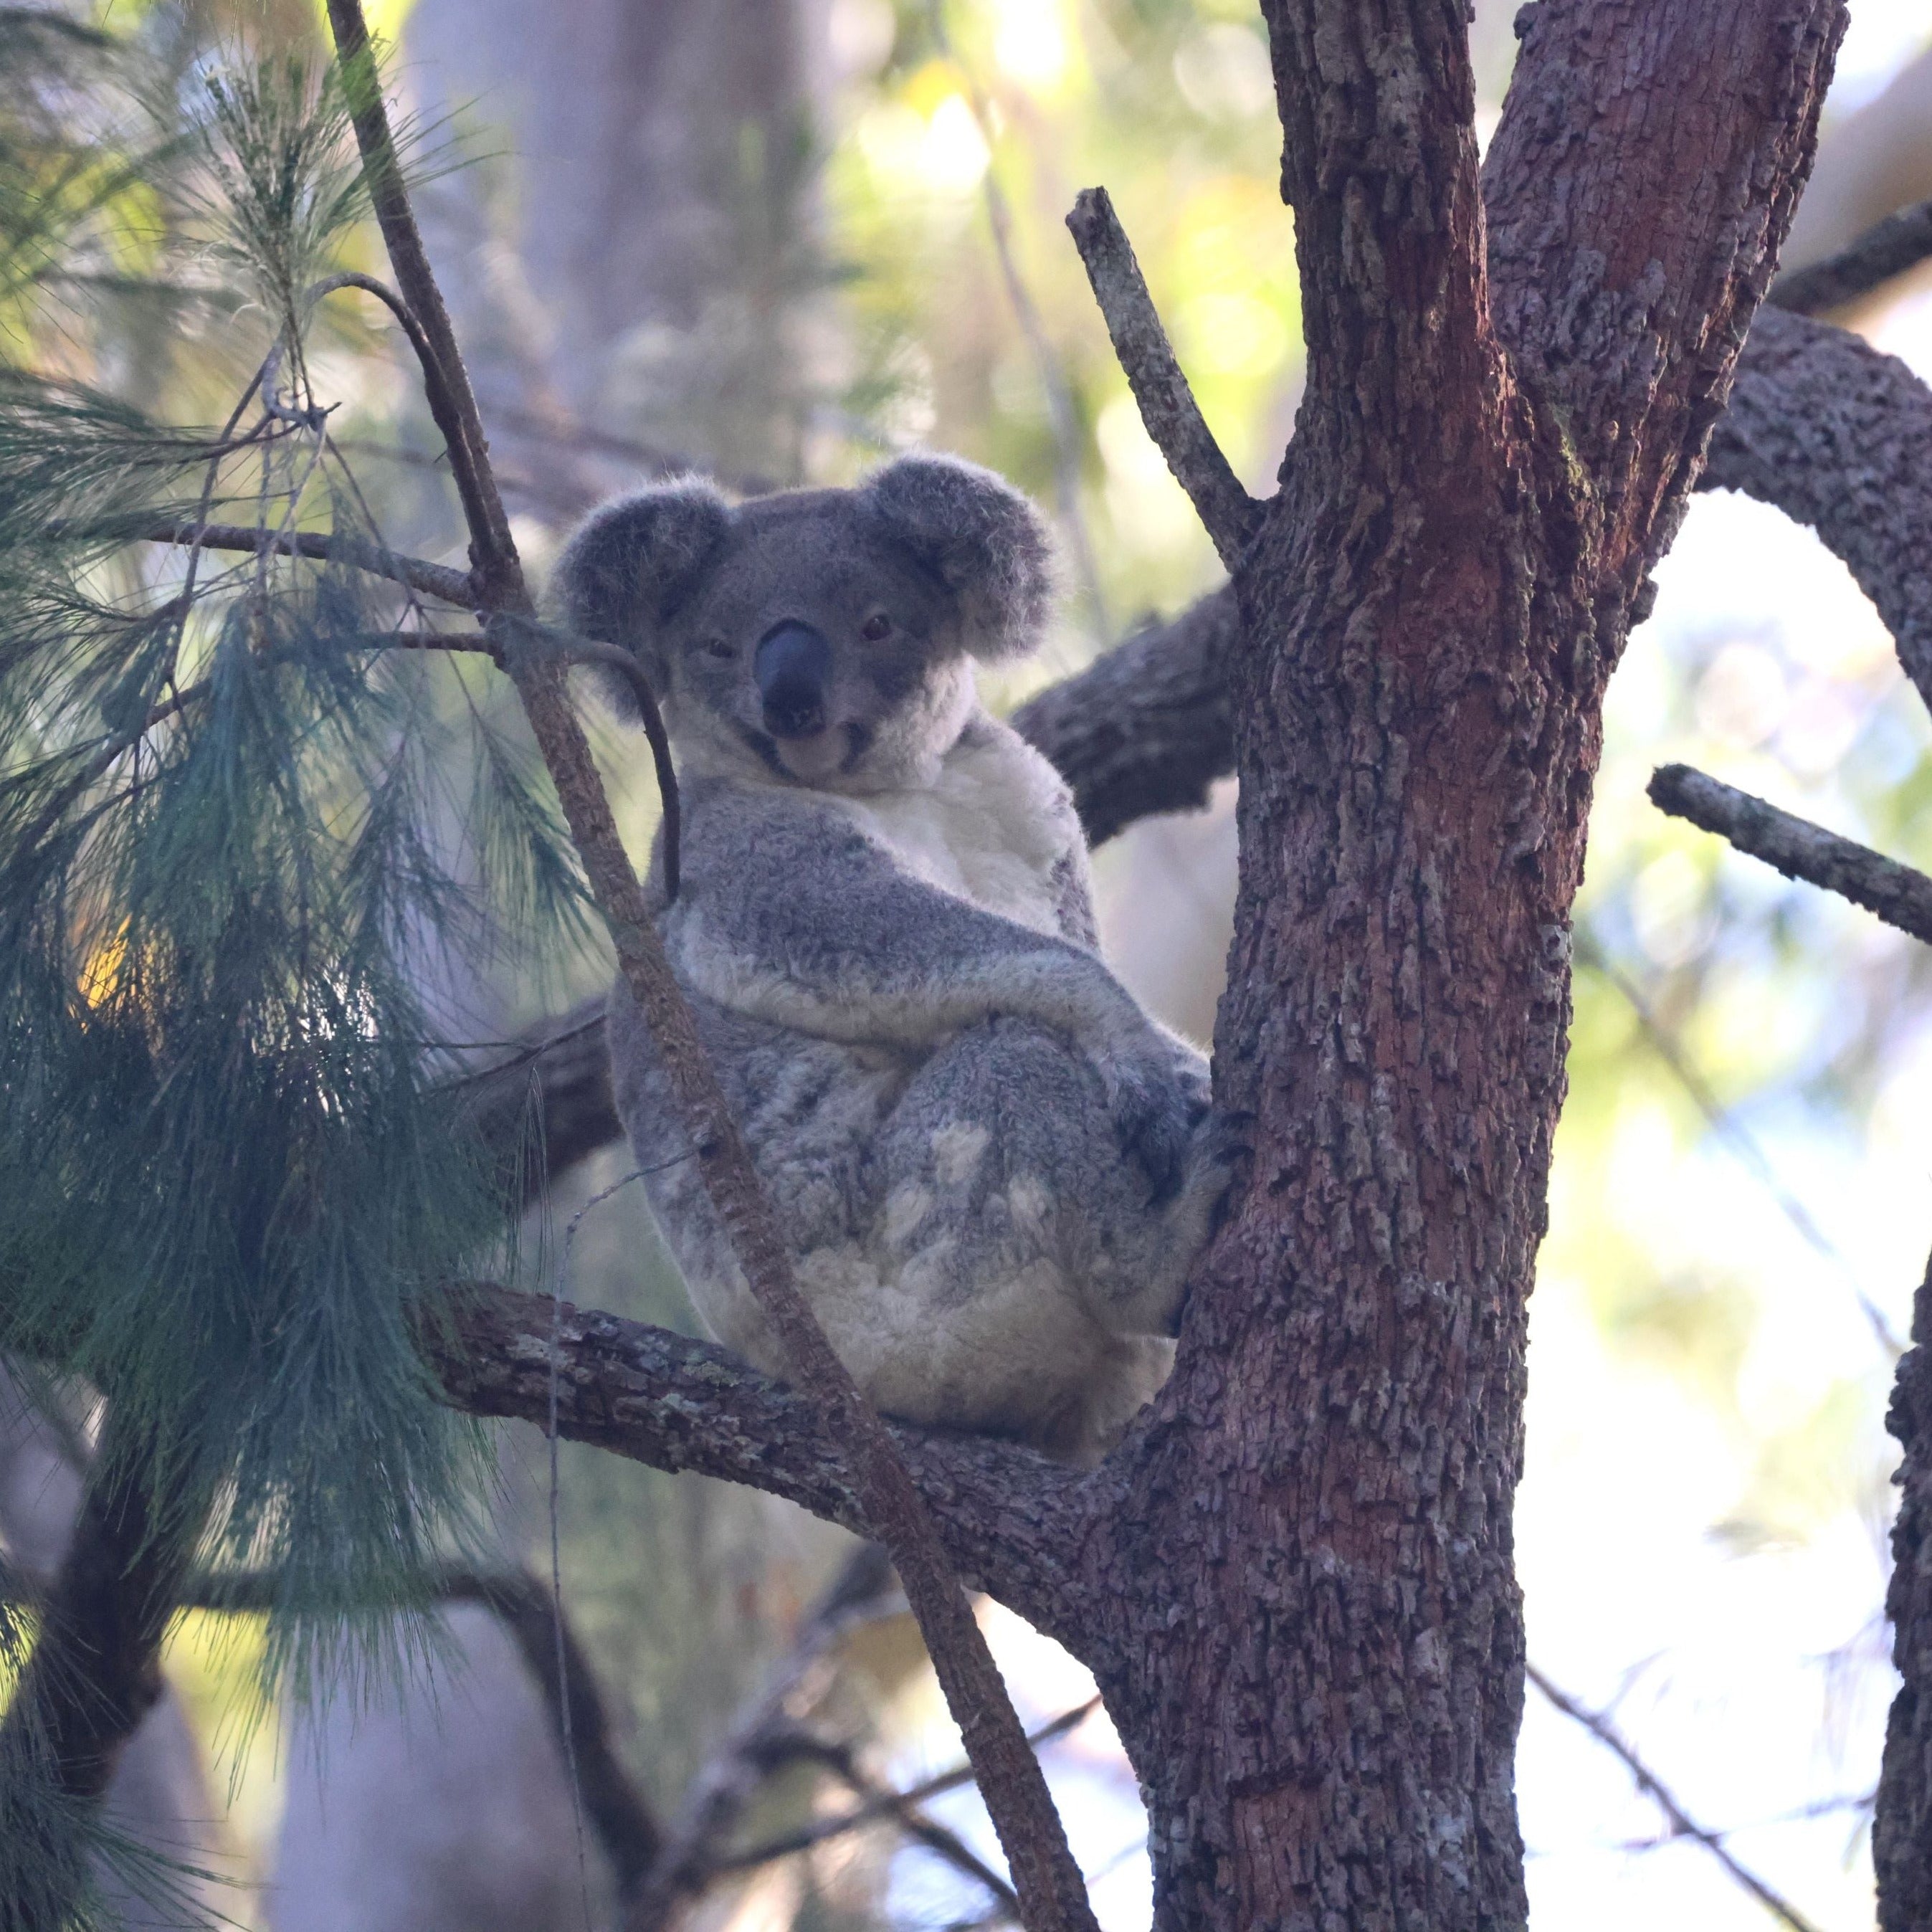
point(993, 1169)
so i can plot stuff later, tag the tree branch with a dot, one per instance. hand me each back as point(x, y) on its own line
point(433, 580)
point(1887, 249)
point(1835, 435)
point(1378, 162)
point(1013, 1522)
point(1902, 1821)
point(875, 1810)
point(95, 1669)
point(1897, 894)
point(1682, 1825)
point(1145, 728)
point(1168, 408)
point(1623, 299)
point(619, 1812)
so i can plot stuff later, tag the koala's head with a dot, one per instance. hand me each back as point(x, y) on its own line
point(824, 637)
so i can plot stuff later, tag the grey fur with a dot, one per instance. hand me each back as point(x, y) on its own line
point(992, 1168)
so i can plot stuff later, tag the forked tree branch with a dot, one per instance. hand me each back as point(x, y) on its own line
point(1047, 1880)
point(1899, 894)
point(1663, 239)
point(1172, 417)
point(1887, 249)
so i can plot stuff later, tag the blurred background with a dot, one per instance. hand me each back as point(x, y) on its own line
point(777, 240)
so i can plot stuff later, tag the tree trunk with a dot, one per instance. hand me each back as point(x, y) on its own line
point(1318, 1664)
point(1902, 1823)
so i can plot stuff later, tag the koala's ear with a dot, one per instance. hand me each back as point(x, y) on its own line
point(985, 541)
point(626, 566)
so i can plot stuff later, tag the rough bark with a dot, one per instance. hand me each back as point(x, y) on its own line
point(1836, 435)
point(1902, 1825)
point(1013, 1522)
point(1319, 1632)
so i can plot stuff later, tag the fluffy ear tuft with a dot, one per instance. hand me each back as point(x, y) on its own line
point(627, 565)
point(986, 542)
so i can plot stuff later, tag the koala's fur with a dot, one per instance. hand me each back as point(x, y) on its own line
point(993, 1169)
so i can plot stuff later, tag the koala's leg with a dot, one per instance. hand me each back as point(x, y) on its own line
point(1032, 1268)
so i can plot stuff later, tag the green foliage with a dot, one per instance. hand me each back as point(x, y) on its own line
point(230, 856)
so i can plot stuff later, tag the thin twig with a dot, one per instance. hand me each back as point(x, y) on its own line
point(1682, 1825)
point(763, 1726)
point(1046, 1877)
point(582, 650)
point(875, 1810)
point(1167, 405)
point(1738, 1137)
point(1887, 249)
point(942, 1840)
point(1899, 894)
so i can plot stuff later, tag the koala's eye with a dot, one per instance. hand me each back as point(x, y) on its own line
point(720, 648)
point(877, 626)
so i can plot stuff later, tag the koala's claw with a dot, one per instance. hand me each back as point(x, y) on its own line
point(1156, 1123)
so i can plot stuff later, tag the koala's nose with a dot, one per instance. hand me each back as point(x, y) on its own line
point(793, 665)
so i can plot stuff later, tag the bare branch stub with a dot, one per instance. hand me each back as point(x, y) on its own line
point(1167, 405)
point(1888, 248)
point(1899, 894)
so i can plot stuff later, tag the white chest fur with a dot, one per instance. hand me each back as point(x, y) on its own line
point(991, 830)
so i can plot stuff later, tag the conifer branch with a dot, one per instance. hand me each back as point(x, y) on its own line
point(431, 580)
point(1052, 1893)
point(1167, 405)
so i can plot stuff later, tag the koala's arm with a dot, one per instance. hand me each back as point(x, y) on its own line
point(794, 916)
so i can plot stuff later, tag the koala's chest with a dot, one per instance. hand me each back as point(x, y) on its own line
point(989, 832)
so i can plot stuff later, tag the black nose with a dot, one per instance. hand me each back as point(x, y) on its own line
point(793, 665)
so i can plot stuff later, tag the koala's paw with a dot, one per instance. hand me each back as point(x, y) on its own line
point(1160, 1104)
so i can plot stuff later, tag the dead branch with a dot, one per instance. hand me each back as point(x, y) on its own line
point(940, 1839)
point(1887, 249)
point(1167, 405)
point(1897, 894)
point(1682, 1825)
